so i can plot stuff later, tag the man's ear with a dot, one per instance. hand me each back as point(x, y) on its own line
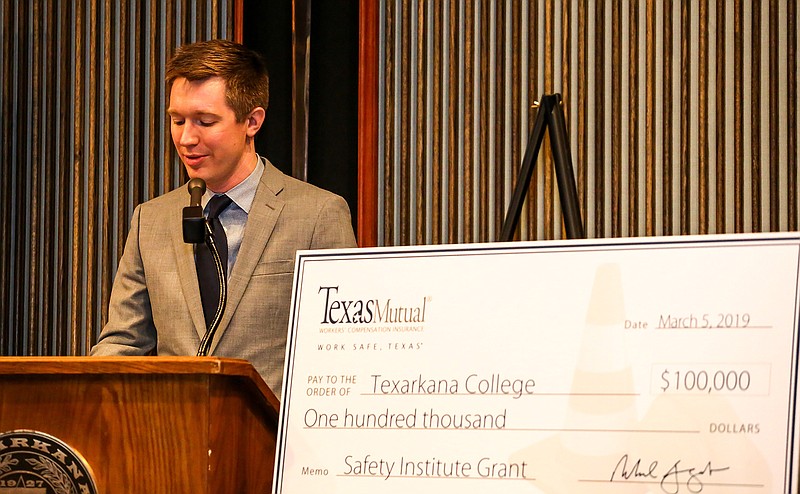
point(254, 121)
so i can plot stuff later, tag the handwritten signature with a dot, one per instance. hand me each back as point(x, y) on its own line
point(671, 481)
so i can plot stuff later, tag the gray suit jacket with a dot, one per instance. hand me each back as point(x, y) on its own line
point(155, 300)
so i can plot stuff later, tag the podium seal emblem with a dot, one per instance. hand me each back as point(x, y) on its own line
point(33, 462)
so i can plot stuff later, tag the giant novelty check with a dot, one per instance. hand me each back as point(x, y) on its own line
point(666, 365)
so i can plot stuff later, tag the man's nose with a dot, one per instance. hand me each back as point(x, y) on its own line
point(188, 135)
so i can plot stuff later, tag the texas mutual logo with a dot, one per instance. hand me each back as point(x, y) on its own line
point(37, 463)
point(341, 313)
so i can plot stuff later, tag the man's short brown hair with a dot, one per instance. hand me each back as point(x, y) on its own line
point(243, 70)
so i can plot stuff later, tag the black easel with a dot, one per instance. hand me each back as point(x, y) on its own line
point(550, 116)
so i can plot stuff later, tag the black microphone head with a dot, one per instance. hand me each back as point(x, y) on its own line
point(196, 183)
point(197, 187)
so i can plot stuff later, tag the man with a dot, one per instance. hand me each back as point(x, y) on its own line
point(218, 99)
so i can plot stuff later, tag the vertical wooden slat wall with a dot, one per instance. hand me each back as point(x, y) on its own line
point(681, 116)
point(83, 140)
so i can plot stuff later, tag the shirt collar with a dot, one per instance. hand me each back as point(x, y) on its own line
point(245, 191)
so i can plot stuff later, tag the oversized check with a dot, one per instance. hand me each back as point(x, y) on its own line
point(666, 365)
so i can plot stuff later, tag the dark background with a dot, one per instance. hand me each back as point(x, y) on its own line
point(333, 90)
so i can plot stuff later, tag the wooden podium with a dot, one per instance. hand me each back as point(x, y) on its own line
point(150, 424)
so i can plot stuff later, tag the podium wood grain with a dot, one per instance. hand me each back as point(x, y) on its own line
point(150, 424)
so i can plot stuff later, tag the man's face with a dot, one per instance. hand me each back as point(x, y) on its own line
point(211, 143)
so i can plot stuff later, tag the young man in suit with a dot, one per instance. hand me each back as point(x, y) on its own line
point(218, 99)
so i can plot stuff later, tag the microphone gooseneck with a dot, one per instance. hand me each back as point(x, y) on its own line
point(205, 343)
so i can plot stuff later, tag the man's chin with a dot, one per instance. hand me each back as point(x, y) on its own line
point(211, 184)
point(195, 172)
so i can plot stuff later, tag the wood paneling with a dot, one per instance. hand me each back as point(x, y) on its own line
point(368, 112)
point(681, 115)
point(84, 139)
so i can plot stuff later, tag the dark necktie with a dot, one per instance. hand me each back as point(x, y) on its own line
point(206, 269)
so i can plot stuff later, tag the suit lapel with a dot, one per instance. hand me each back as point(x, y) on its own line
point(184, 256)
point(261, 220)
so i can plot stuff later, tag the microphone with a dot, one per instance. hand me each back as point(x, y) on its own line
point(194, 223)
point(196, 230)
